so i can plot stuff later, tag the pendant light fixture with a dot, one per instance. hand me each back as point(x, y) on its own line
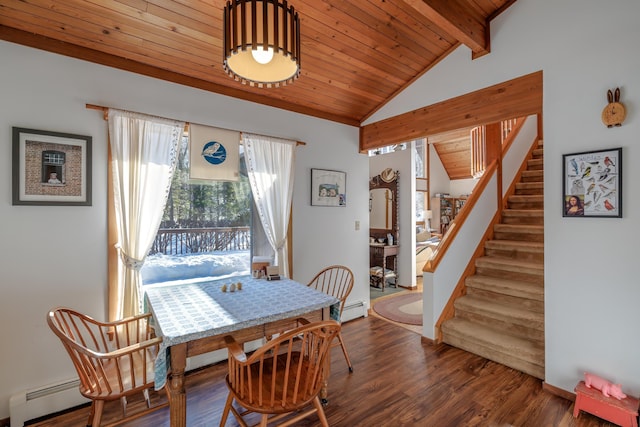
point(261, 42)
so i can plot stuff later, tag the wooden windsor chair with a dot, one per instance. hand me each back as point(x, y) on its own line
point(337, 281)
point(281, 380)
point(113, 360)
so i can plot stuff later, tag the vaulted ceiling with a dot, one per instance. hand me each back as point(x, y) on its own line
point(356, 55)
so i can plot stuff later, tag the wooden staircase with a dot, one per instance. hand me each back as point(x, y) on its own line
point(501, 317)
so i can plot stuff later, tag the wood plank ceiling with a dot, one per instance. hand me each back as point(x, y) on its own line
point(454, 150)
point(356, 55)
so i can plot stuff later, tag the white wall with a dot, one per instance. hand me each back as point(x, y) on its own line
point(57, 255)
point(462, 187)
point(584, 47)
point(439, 182)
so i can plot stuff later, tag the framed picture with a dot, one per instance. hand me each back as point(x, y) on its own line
point(592, 184)
point(51, 168)
point(328, 188)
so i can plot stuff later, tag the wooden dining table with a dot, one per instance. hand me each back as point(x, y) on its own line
point(194, 318)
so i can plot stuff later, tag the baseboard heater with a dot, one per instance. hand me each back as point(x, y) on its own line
point(30, 404)
point(355, 310)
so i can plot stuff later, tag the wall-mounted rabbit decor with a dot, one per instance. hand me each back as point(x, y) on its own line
point(614, 113)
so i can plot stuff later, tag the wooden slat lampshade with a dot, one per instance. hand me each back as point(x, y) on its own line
point(261, 42)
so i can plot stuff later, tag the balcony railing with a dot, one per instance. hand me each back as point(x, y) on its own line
point(479, 144)
point(180, 241)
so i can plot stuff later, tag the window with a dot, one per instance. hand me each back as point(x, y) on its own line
point(53, 166)
point(422, 188)
point(205, 230)
point(387, 149)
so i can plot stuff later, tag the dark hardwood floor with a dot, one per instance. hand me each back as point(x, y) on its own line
point(398, 380)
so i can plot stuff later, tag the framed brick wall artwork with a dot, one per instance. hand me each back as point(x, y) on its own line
point(51, 168)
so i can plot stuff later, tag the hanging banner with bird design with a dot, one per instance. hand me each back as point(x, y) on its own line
point(213, 153)
point(593, 184)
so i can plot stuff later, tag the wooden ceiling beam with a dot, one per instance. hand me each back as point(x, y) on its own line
point(458, 19)
point(519, 97)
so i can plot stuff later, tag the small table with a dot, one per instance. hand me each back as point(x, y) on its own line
point(621, 412)
point(380, 251)
point(194, 318)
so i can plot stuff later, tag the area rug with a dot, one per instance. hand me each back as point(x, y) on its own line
point(405, 308)
point(375, 293)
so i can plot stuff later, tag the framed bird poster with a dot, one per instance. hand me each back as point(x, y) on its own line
point(592, 184)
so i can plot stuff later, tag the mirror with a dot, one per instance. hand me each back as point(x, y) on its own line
point(383, 205)
point(381, 208)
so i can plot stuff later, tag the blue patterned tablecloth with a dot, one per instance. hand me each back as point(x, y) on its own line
point(188, 312)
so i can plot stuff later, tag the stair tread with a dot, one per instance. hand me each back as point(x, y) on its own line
point(532, 246)
point(523, 212)
point(535, 184)
point(527, 197)
point(490, 259)
point(520, 228)
point(506, 286)
point(533, 319)
point(528, 349)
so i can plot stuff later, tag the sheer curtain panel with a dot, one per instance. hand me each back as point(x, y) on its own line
point(144, 153)
point(270, 165)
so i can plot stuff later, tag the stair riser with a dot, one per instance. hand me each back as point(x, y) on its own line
point(526, 204)
point(529, 302)
point(489, 352)
point(515, 254)
point(513, 275)
point(525, 237)
point(523, 220)
point(506, 325)
point(497, 296)
point(528, 192)
point(523, 290)
point(533, 269)
point(532, 176)
point(531, 185)
point(535, 164)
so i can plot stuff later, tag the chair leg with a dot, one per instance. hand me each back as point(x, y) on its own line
point(264, 420)
point(123, 403)
point(344, 351)
point(145, 392)
point(92, 410)
point(225, 412)
point(320, 412)
point(97, 407)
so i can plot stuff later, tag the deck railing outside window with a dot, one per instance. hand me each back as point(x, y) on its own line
point(180, 241)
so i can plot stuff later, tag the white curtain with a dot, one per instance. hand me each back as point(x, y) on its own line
point(270, 165)
point(144, 152)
